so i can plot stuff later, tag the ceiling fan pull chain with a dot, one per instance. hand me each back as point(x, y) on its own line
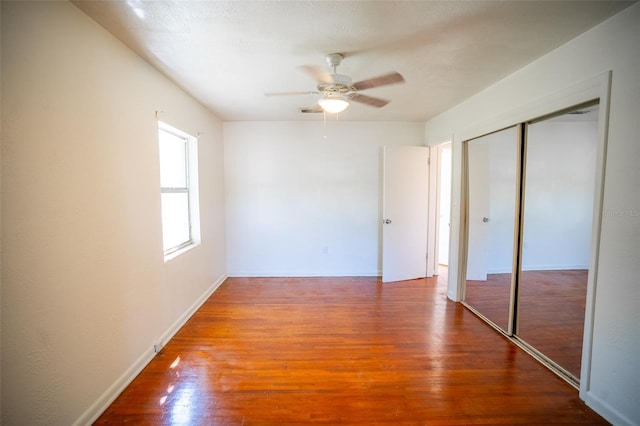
point(324, 115)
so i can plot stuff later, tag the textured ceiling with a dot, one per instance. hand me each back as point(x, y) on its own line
point(227, 54)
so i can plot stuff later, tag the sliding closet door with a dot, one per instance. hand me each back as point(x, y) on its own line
point(492, 169)
point(559, 185)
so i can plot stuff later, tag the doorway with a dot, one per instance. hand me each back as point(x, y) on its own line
point(529, 213)
point(443, 207)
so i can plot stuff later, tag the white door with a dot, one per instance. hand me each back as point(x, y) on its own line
point(405, 202)
point(478, 199)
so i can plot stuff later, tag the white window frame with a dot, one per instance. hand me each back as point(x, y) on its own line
point(191, 189)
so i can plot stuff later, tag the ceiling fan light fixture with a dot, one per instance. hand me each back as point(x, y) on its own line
point(333, 103)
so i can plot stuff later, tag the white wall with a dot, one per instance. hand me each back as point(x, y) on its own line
point(85, 290)
point(612, 386)
point(302, 205)
point(559, 187)
point(502, 199)
point(560, 181)
point(492, 194)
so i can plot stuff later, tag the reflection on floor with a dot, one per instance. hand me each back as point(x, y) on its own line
point(551, 310)
point(343, 351)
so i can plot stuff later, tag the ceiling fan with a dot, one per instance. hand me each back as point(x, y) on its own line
point(337, 89)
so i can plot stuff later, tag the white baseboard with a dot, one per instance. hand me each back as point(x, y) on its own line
point(499, 271)
point(177, 325)
point(113, 391)
point(605, 410)
point(289, 274)
point(540, 268)
point(554, 267)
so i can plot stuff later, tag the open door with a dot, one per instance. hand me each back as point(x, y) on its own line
point(478, 205)
point(405, 207)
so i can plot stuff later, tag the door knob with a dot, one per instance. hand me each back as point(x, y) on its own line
point(485, 219)
point(386, 221)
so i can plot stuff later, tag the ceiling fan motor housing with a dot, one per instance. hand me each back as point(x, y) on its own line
point(341, 84)
point(334, 59)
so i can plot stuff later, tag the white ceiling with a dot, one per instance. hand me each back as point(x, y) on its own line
point(227, 54)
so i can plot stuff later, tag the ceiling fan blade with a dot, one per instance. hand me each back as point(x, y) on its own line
point(318, 74)
point(312, 109)
point(369, 100)
point(290, 93)
point(383, 80)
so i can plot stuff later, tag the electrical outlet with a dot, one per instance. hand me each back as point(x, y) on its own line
point(325, 249)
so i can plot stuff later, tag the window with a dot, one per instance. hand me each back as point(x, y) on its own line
point(179, 190)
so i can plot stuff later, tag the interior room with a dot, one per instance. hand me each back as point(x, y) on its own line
point(531, 108)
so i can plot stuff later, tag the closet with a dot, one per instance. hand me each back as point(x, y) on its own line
point(529, 209)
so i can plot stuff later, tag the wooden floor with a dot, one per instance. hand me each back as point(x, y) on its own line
point(551, 310)
point(343, 351)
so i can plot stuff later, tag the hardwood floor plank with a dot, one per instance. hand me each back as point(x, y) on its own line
point(342, 351)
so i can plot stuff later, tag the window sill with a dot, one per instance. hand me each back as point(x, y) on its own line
point(177, 253)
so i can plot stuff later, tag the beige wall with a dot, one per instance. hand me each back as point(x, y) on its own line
point(85, 290)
